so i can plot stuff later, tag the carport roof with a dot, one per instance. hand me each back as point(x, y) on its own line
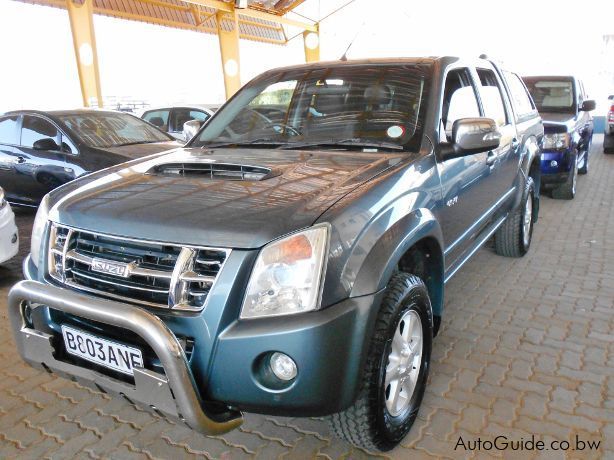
point(262, 21)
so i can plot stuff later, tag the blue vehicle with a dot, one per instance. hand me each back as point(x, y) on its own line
point(289, 265)
point(568, 131)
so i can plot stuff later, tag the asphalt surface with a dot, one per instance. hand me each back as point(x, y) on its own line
point(526, 349)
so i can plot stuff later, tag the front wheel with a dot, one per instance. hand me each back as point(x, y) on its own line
point(395, 371)
point(513, 238)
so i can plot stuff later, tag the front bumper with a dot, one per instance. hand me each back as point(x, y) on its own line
point(173, 393)
point(555, 167)
point(328, 347)
point(9, 237)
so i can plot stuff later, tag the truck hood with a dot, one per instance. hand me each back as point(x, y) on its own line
point(555, 122)
point(142, 200)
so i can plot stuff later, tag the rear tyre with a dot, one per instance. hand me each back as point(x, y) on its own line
point(513, 238)
point(608, 143)
point(584, 168)
point(567, 190)
point(395, 371)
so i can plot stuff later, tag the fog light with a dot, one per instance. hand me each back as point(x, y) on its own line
point(283, 366)
point(554, 164)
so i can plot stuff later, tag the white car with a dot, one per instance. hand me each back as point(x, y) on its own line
point(171, 119)
point(9, 237)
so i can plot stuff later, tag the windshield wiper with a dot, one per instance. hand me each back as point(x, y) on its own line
point(259, 142)
point(352, 142)
point(135, 143)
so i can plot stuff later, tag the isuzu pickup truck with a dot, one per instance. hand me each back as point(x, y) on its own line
point(294, 266)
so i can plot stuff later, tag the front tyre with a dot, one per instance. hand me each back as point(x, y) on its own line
point(395, 371)
point(513, 237)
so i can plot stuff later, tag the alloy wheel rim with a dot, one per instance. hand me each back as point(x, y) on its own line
point(404, 361)
point(526, 223)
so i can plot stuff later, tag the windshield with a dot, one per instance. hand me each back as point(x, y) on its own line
point(552, 95)
point(377, 106)
point(105, 129)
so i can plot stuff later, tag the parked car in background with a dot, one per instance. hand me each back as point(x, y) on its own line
point(9, 236)
point(568, 125)
point(40, 151)
point(172, 119)
point(608, 140)
point(295, 267)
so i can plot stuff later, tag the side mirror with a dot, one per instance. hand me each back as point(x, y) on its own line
point(588, 105)
point(190, 129)
point(470, 136)
point(45, 143)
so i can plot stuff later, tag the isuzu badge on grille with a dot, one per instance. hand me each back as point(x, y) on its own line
point(110, 267)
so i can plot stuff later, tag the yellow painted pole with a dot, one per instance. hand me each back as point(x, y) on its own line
point(311, 41)
point(228, 35)
point(84, 41)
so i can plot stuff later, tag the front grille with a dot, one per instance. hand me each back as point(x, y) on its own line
point(142, 272)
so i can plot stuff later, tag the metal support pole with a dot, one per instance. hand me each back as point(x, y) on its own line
point(84, 41)
point(228, 35)
point(311, 41)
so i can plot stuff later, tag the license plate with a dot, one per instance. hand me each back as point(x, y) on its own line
point(110, 354)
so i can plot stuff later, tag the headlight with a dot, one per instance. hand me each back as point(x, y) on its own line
point(2, 199)
point(287, 275)
point(38, 228)
point(556, 141)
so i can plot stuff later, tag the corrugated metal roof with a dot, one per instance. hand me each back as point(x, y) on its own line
point(184, 15)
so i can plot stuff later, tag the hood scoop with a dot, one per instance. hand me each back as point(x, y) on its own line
point(222, 171)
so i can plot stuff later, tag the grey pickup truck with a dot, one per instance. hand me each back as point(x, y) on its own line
point(293, 265)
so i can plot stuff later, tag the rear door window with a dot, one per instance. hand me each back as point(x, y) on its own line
point(181, 115)
point(158, 118)
point(36, 128)
point(492, 97)
point(8, 130)
point(523, 104)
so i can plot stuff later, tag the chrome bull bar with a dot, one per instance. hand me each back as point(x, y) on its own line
point(174, 393)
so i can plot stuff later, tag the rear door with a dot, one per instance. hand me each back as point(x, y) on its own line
point(40, 170)
point(9, 155)
point(504, 160)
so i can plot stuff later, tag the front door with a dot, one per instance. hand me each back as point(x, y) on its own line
point(462, 179)
point(9, 156)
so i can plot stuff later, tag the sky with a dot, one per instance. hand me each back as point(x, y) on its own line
point(162, 65)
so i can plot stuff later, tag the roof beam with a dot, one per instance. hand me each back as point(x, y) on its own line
point(254, 14)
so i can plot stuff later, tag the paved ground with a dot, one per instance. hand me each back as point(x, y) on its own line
point(527, 348)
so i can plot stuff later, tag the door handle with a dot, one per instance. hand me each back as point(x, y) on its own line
point(515, 143)
point(491, 158)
